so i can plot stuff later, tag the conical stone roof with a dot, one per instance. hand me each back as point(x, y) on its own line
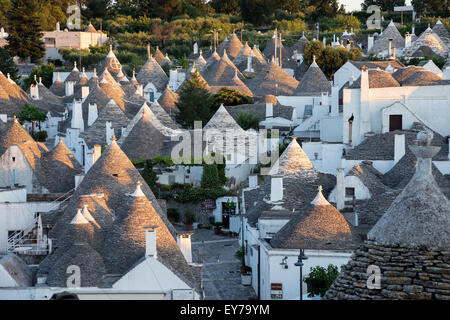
point(159, 57)
point(293, 160)
point(110, 63)
point(112, 176)
point(382, 42)
point(168, 100)
point(273, 80)
point(314, 82)
point(322, 226)
point(152, 72)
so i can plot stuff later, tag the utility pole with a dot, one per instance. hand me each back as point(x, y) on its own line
point(317, 25)
point(281, 58)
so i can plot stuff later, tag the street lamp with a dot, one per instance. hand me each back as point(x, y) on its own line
point(299, 263)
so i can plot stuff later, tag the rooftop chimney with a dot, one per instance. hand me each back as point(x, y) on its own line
point(369, 43)
point(269, 110)
point(109, 131)
point(84, 92)
point(399, 147)
point(390, 48)
point(340, 189)
point(77, 121)
point(58, 27)
point(184, 242)
point(150, 241)
point(408, 38)
point(276, 189)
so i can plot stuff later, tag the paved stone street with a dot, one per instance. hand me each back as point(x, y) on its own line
point(221, 277)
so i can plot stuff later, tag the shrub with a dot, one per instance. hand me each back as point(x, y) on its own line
point(173, 214)
point(41, 135)
point(320, 279)
point(189, 217)
point(210, 177)
point(247, 120)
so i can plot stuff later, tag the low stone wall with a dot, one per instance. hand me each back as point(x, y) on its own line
point(406, 273)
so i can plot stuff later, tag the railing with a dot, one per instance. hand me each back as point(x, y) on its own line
point(34, 247)
point(18, 238)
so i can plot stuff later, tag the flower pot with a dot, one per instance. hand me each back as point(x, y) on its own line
point(242, 269)
point(188, 226)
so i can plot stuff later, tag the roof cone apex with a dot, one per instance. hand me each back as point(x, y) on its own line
point(138, 192)
point(320, 200)
point(79, 218)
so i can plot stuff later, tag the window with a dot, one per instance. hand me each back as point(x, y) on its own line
point(14, 159)
point(115, 175)
point(350, 192)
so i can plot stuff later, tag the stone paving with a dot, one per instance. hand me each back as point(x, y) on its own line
point(221, 276)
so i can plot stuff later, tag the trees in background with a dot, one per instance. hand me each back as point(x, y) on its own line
point(226, 6)
point(45, 71)
point(32, 114)
point(24, 28)
point(96, 8)
point(385, 5)
point(247, 120)
point(231, 97)
point(329, 59)
point(431, 7)
point(7, 65)
point(195, 102)
point(257, 11)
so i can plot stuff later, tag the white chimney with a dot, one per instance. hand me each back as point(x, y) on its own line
point(78, 179)
point(92, 113)
point(269, 110)
point(252, 181)
point(249, 64)
point(365, 125)
point(394, 56)
point(34, 91)
point(77, 116)
point(195, 48)
point(276, 188)
point(408, 38)
point(184, 242)
point(390, 49)
point(399, 147)
point(140, 90)
point(2, 32)
point(69, 88)
point(324, 39)
point(150, 241)
point(109, 131)
point(340, 189)
point(97, 152)
point(58, 27)
point(84, 92)
point(369, 43)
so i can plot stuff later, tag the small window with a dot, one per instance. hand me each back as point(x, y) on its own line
point(115, 175)
point(350, 192)
point(316, 156)
point(14, 159)
point(229, 156)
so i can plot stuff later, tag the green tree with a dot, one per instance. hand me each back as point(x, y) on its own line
point(320, 279)
point(96, 8)
point(231, 97)
point(226, 6)
point(7, 65)
point(291, 6)
point(165, 9)
point(195, 102)
point(312, 49)
point(150, 177)
point(385, 5)
point(247, 120)
point(256, 11)
point(431, 7)
point(210, 177)
point(24, 28)
point(45, 71)
point(32, 114)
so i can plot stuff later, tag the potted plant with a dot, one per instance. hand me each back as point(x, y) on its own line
point(189, 219)
point(240, 254)
point(173, 215)
point(217, 228)
point(246, 276)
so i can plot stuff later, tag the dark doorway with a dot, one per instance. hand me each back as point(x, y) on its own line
point(226, 212)
point(395, 122)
